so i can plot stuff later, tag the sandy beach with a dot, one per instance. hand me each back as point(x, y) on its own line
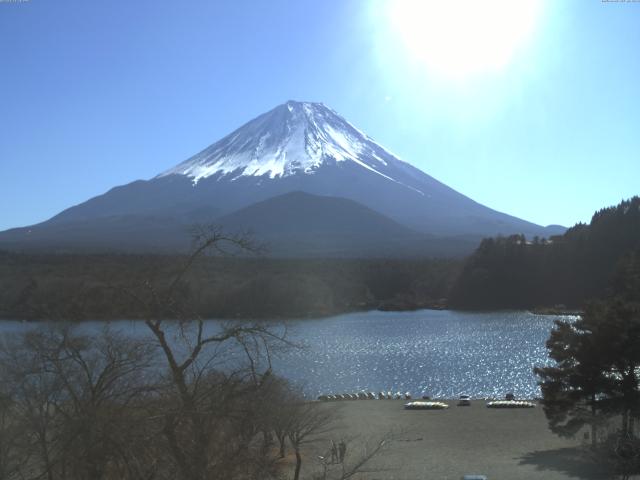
point(447, 444)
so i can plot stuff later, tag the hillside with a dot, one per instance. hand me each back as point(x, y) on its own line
point(584, 263)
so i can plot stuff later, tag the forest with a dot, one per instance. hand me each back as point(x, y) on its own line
point(79, 287)
point(563, 271)
point(512, 272)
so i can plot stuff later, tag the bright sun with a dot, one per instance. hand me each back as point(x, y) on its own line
point(459, 38)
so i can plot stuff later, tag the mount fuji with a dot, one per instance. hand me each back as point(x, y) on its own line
point(277, 173)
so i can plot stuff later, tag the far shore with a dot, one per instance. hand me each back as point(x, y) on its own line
point(549, 311)
point(556, 311)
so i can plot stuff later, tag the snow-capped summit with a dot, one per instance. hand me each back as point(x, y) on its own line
point(293, 138)
point(296, 166)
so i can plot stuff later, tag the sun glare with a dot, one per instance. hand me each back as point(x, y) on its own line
point(463, 37)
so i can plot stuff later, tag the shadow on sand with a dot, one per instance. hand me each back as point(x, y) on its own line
point(575, 462)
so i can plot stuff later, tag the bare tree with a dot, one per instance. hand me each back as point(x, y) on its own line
point(11, 459)
point(355, 464)
point(207, 395)
point(191, 401)
point(72, 395)
point(35, 391)
point(307, 420)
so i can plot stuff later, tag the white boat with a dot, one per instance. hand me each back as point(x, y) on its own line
point(425, 406)
point(510, 404)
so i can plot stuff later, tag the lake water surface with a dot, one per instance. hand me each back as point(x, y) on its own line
point(441, 353)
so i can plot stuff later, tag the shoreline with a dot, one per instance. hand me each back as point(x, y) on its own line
point(449, 443)
point(452, 402)
point(575, 312)
point(311, 315)
point(307, 316)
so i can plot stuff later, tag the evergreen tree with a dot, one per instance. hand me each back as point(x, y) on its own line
point(597, 369)
point(572, 388)
point(566, 270)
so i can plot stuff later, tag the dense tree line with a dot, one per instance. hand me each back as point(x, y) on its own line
point(504, 272)
point(90, 286)
point(513, 272)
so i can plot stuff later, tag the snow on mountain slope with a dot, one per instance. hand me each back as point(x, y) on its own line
point(293, 138)
point(295, 147)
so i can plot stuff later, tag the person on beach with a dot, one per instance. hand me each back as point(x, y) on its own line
point(342, 450)
point(334, 452)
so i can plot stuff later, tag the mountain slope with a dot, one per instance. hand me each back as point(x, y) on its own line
point(300, 224)
point(295, 224)
point(312, 215)
point(297, 146)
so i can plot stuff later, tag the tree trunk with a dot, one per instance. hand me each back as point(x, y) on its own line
point(45, 454)
point(296, 475)
point(594, 429)
point(267, 441)
point(281, 440)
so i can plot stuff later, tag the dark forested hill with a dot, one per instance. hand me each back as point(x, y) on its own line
point(504, 272)
point(511, 272)
point(78, 287)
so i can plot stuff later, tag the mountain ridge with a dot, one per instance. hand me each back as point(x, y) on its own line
point(297, 146)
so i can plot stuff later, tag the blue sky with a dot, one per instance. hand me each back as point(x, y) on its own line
point(98, 94)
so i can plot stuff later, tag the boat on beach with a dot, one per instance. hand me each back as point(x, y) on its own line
point(425, 406)
point(510, 404)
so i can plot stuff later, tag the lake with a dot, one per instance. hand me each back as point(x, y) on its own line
point(440, 353)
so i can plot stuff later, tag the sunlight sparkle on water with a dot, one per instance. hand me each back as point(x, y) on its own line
point(442, 353)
